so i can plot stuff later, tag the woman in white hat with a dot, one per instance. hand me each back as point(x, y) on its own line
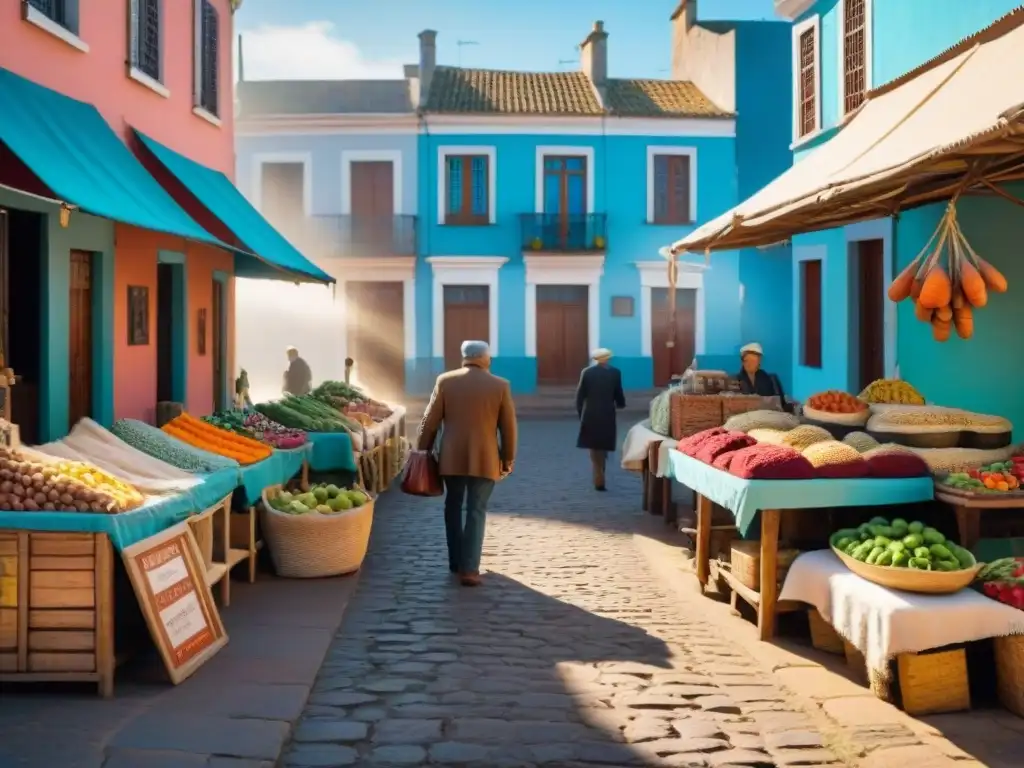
point(753, 380)
point(598, 395)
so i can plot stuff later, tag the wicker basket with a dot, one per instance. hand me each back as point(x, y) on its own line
point(934, 682)
point(690, 414)
point(823, 636)
point(1010, 672)
point(912, 579)
point(315, 546)
point(733, 405)
point(880, 682)
point(746, 563)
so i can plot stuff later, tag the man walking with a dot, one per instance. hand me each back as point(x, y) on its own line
point(471, 407)
point(298, 379)
point(598, 394)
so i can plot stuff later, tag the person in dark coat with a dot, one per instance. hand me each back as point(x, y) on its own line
point(598, 394)
point(756, 381)
point(298, 379)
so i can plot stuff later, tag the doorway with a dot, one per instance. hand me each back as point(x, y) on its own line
point(217, 347)
point(467, 317)
point(371, 190)
point(565, 203)
point(674, 360)
point(170, 331)
point(563, 331)
point(376, 336)
point(80, 340)
point(868, 325)
point(21, 258)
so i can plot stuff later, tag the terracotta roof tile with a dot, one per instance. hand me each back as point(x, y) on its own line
point(485, 91)
point(658, 98)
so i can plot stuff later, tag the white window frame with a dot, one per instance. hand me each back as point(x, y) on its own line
point(68, 34)
point(136, 74)
point(653, 151)
point(464, 270)
point(260, 159)
point(810, 23)
point(841, 8)
point(393, 156)
point(443, 153)
point(689, 276)
point(562, 151)
point(197, 67)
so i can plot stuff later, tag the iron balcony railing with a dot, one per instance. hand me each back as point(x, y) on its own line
point(564, 232)
point(354, 236)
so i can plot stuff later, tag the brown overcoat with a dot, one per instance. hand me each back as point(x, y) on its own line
point(474, 406)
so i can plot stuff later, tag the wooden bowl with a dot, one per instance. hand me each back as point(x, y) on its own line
point(912, 579)
point(919, 439)
point(985, 441)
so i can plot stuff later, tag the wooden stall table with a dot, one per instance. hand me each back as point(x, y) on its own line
point(773, 498)
point(969, 507)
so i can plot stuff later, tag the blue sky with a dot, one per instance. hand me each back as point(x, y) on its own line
point(329, 39)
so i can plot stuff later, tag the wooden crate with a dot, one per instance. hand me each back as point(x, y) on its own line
point(1009, 654)
point(823, 636)
point(934, 682)
point(56, 608)
point(745, 558)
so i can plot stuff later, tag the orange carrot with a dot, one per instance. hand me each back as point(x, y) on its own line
point(903, 284)
point(922, 313)
point(915, 289)
point(945, 314)
point(973, 284)
point(993, 278)
point(937, 290)
point(963, 319)
point(940, 330)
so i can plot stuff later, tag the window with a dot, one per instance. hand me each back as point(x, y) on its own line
point(854, 50)
point(207, 52)
point(672, 189)
point(54, 10)
point(145, 34)
point(467, 186)
point(806, 73)
point(810, 295)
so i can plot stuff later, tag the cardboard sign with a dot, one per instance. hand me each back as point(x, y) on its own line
point(169, 579)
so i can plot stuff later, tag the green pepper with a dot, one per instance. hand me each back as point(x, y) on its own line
point(963, 556)
point(947, 565)
point(878, 521)
point(916, 527)
point(923, 553)
point(900, 559)
point(897, 546)
point(861, 552)
point(873, 555)
point(941, 552)
point(885, 558)
point(850, 547)
point(913, 540)
point(882, 541)
point(920, 564)
point(843, 543)
point(932, 536)
point(900, 524)
point(847, 533)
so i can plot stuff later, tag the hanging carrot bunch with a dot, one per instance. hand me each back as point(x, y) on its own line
point(949, 283)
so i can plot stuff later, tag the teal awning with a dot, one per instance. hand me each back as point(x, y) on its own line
point(221, 198)
point(69, 146)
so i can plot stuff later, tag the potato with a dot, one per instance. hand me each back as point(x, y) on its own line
point(52, 495)
point(66, 500)
point(81, 506)
point(48, 507)
point(18, 506)
point(31, 506)
point(39, 498)
point(18, 489)
point(25, 480)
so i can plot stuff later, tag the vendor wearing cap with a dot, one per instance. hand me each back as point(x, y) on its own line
point(598, 395)
point(755, 381)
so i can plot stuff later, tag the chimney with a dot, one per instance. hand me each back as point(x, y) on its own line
point(594, 55)
point(428, 62)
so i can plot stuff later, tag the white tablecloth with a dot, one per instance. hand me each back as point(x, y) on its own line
point(634, 447)
point(883, 623)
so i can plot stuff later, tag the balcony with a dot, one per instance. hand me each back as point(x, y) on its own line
point(563, 233)
point(364, 237)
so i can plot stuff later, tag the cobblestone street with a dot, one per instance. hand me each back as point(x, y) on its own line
point(571, 654)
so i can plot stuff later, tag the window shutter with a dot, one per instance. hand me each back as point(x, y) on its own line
point(478, 171)
point(661, 187)
point(210, 58)
point(455, 185)
point(133, 31)
point(681, 188)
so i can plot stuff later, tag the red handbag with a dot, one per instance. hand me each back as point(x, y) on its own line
point(421, 477)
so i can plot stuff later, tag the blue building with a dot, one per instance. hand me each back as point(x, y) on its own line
point(538, 205)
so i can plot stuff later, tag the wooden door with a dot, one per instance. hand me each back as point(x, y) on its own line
point(371, 190)
point(467, 317)
point(672, 361)
point(871, 312)
point(562, 333)
point(565, 202)
point(218, 322)
point(80, 312)
point(376, 335)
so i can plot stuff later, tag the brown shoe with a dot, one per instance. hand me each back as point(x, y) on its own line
point(470, 579)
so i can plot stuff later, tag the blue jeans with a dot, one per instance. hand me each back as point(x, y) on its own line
point(465, 541)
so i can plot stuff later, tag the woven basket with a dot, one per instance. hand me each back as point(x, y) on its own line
point(823, 636)
point(690, 414)
point(934, 682)
point(314, 546)
point(733, 405)
point(1010, 672)
point(746, 563)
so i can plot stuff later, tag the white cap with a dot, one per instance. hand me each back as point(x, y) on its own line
point(601, 354)
point(751, 349)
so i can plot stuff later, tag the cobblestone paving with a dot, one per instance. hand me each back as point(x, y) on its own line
point(571, 654)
